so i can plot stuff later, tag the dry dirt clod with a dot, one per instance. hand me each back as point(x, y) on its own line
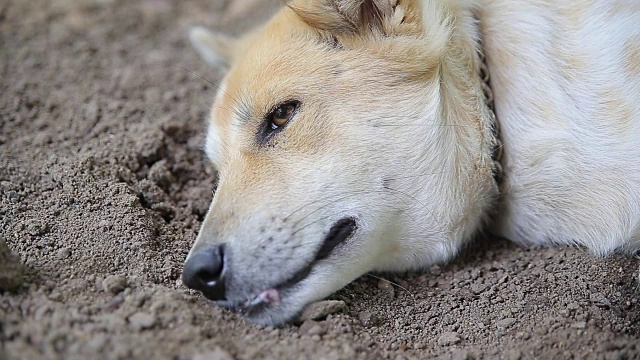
point(141, 321)
point(459, 354)
point(386, 287)
point(600, 300)
point(311, 327)
point(478, 288)
point(579, 325)
point(13, 196)
point(97, 343)
point(505, 323)
point(217, 354)
point(435, 270)
point(448, 339)
point(151, 193)
point(11, 270)
point(64, 253)
point(114, 303)
point(512, 355)
point(37, 227)
point(319, 310)
point(114, 284)
point(160, 174)
point(368, 319)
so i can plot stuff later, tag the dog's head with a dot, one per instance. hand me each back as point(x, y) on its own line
point(349, 136)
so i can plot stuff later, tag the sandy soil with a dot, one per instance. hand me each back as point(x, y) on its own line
point(103, 186)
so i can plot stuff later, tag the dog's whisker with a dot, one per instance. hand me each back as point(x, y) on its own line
point(395, 284)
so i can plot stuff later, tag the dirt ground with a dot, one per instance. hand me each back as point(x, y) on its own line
point(103, 186)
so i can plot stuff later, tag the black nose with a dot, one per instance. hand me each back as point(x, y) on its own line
point(203, 271)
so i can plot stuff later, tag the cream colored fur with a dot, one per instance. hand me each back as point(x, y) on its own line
point(393, 131)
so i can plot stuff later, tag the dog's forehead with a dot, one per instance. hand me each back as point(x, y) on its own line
point(281, 62)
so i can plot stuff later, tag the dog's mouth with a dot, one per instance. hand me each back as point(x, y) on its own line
point(340, 232)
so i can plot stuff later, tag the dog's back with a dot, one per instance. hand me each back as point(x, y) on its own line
point(566, 77)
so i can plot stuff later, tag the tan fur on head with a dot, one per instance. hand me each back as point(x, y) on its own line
point(390, 134)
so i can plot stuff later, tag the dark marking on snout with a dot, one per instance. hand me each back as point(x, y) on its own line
point(338, 234)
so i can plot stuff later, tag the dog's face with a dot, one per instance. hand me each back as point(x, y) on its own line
point(334, 157)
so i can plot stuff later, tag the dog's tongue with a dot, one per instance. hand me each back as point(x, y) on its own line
point(270, 295)
point(266, 297)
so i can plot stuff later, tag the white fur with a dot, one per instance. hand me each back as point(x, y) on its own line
point(572, 169)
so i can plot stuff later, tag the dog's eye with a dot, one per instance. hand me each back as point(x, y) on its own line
point(282, 114)
point(276, 120)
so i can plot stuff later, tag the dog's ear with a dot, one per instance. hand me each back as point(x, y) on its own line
point(215, 48)
point(346, 16)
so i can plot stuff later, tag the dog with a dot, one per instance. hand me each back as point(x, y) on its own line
point(353, 136)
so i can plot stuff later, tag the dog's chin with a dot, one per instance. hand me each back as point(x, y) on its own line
point(270, 307)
